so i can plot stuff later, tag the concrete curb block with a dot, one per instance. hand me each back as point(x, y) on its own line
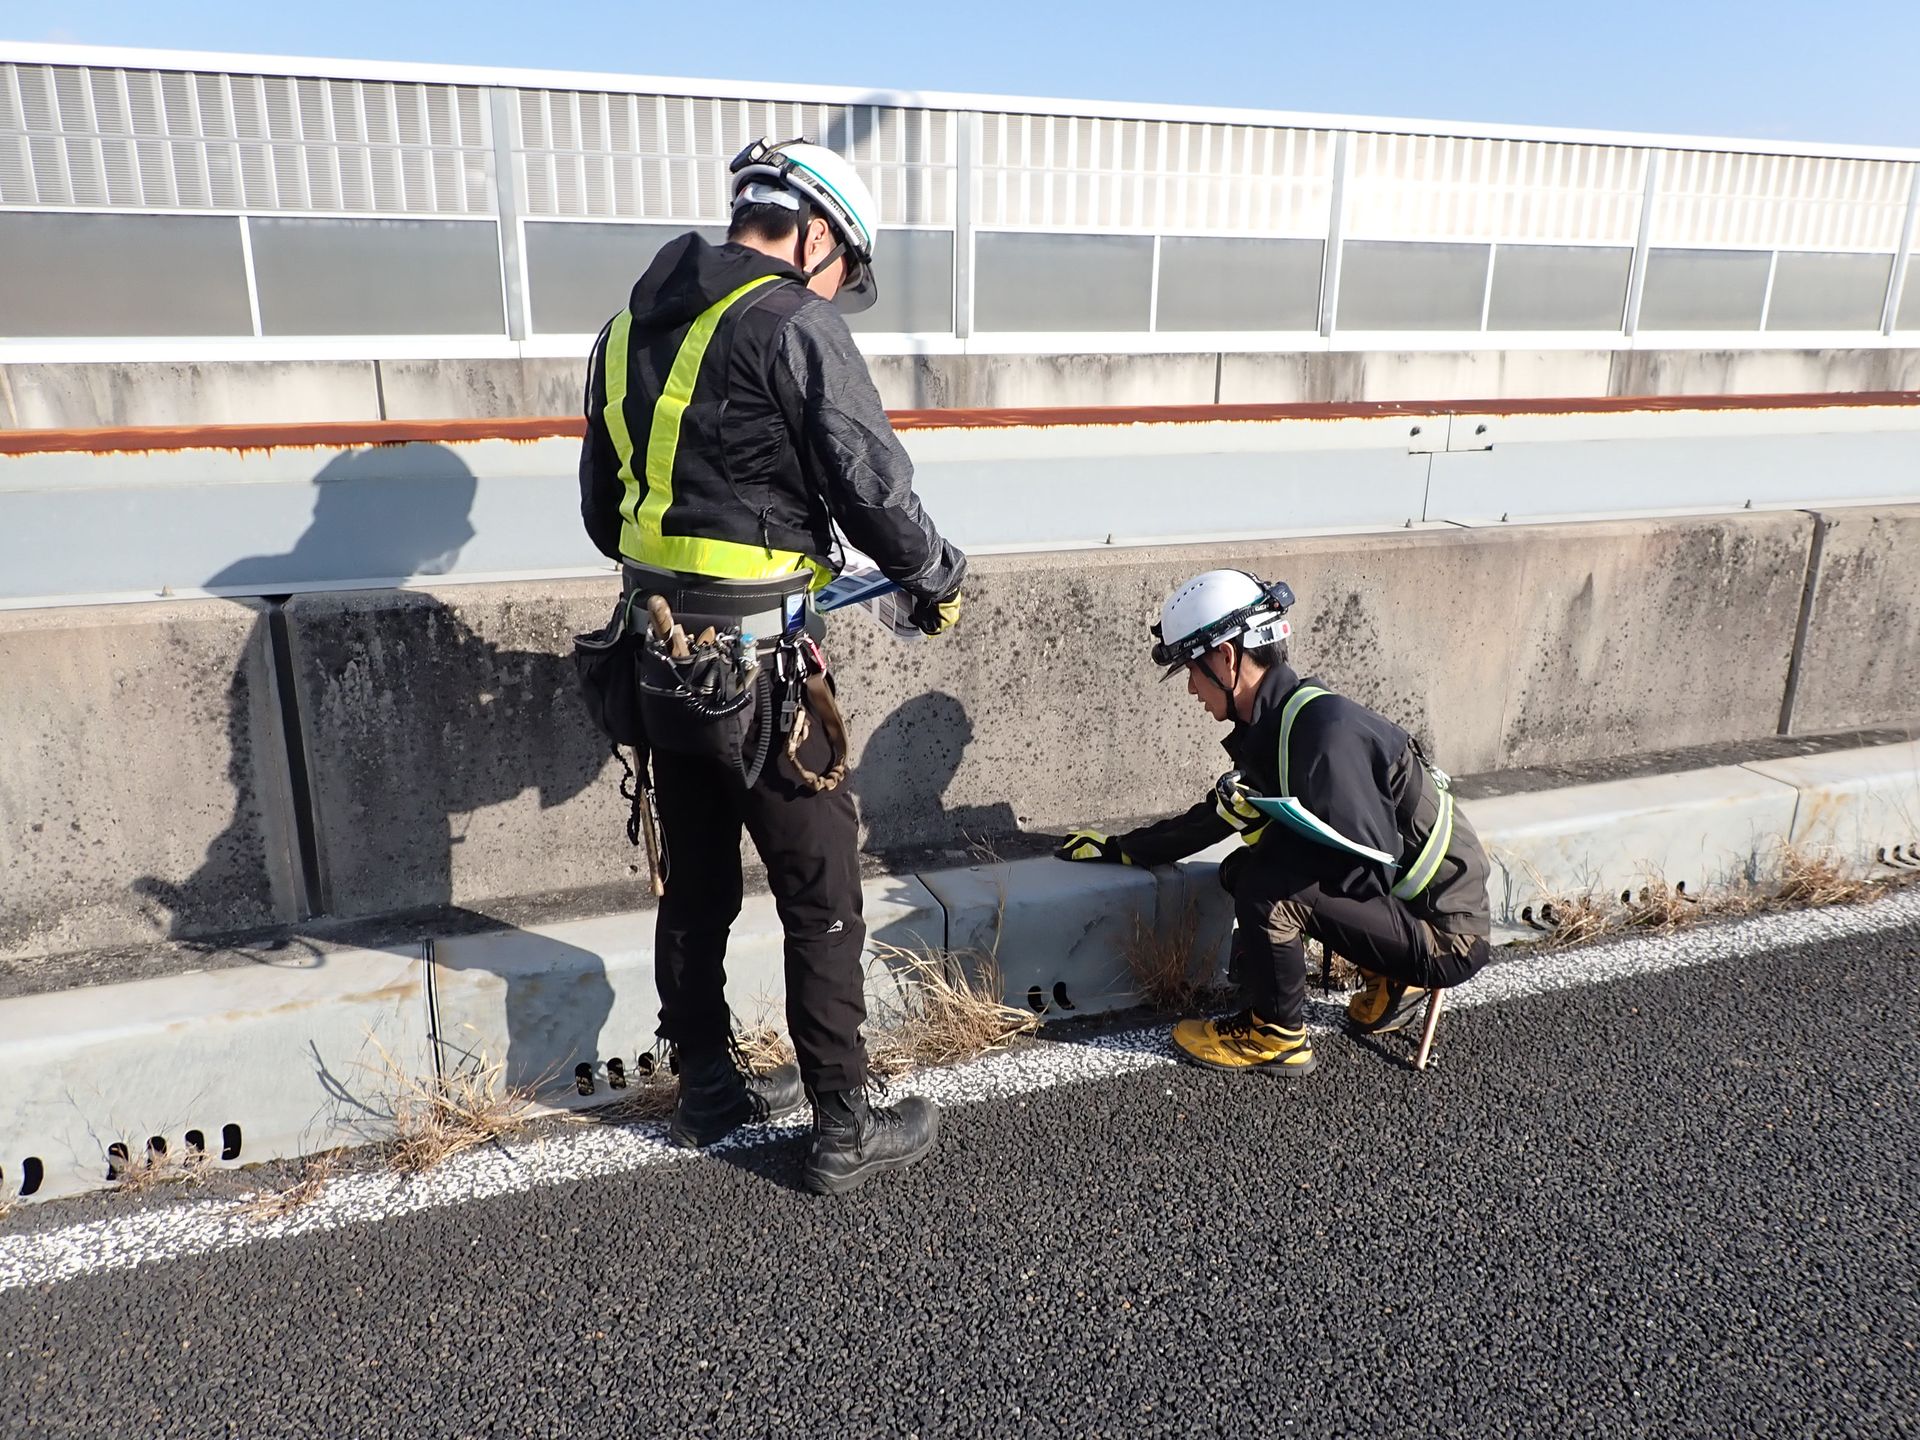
point(1699, 828)
point(254, 1063)
point(287, 1055)
point(1860, 805)
point(557, 1004)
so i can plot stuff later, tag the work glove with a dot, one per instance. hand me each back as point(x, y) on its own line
point(1230, 803)
point(1091, 845)
point(936, 617)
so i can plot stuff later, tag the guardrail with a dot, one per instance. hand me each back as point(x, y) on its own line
point(117, 515)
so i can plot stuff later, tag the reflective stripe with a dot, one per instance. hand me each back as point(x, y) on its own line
point(645, 505)
point(1427, 864)
point(1295, 704)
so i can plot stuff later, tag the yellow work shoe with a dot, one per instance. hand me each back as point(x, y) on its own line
point(1383, 1005)
point(1243, 1043)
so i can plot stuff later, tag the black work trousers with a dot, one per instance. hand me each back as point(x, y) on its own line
point(809, 844)
point(1276, 914)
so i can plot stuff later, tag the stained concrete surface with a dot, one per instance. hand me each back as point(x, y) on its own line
point(1341, 376)
point(1762, 372)
point(1862, 662)
point(211, 392)
point(1499, 648)
point(451, 759)
point(1572, 1226)
point(203, 392)
point(939, 382)
point(439, 389)
point(143, 785)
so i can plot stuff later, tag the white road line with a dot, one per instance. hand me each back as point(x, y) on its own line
point(177, 1231)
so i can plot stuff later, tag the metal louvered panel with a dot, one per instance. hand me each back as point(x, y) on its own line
point(1792, 202)
point(142, 139)
point(1075, 173)
point(664, 157)
point(1425, 187)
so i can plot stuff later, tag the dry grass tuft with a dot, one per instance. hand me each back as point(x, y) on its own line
point(7, 1207)
point(650, 1098)
point(315, 1174)
point(153, 1169)
point(1800, 879)
point(763, 1048)
point(434, 1120)
point(1571, 920)
point(949, 1010)
point(1810, 878)
point(1169, 972)
point(1659, 906)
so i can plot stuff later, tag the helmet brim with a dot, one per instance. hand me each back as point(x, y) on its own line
point(851, 299)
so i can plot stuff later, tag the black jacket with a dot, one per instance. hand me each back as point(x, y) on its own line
point(784, 436)
point(1361, 774)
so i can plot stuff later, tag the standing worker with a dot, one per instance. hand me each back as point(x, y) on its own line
point(1355, 840)
point(731, 425)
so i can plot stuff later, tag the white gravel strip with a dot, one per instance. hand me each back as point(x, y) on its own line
point(176, 1231)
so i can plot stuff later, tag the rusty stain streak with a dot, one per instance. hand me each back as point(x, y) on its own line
point(353, 434)
point(1372, 409)
point(316, 435)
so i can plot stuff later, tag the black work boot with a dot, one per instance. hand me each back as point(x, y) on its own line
point(854, 1139)
point(718, 1096)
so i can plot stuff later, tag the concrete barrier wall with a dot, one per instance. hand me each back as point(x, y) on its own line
point(450, 759)
point(1500, 648)
point(450, 762)
point(1861, 662)
point(143, 787)
point(72, 396)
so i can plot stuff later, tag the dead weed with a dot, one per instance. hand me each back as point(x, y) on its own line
point(949, 1009)
point(1660, 906)
point(316, 1172)
point(1811, 878)
point(436, 1119)
point(155, 1167)
point(1169, 971)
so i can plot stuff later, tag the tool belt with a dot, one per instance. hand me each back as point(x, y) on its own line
point(765, 609)
point(721, 675)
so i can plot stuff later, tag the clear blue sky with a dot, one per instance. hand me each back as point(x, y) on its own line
point(1846, 70)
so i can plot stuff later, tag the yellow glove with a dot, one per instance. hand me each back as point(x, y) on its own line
point(1091, 845)
point(1231, 804)
point(936, 617)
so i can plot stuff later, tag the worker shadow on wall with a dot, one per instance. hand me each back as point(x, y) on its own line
point(397, 726)
point(905, 770)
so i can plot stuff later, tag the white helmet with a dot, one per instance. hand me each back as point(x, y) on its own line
point(1217, 606)
point(802, 176)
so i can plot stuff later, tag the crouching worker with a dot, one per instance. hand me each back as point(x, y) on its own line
point(1354, 839)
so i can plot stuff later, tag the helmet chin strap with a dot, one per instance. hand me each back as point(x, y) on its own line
point(1239, 658)
point(800, 245)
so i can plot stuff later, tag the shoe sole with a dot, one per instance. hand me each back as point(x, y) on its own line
point(697, 1140)
point(819, 1184)
point(1394, 1019)
point(1266, 1067)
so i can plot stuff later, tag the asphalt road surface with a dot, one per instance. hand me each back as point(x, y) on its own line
point(1679, 1203)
